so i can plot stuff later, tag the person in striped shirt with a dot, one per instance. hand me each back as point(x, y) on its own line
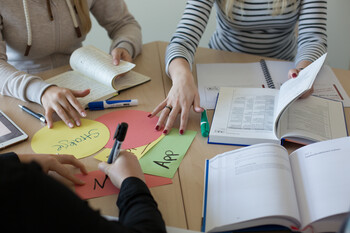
point(283, 29)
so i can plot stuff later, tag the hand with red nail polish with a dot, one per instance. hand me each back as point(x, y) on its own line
point(294, 73)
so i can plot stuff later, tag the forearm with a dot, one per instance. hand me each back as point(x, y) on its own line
point(121, 26)
point(180, 70)
point(138, 210)
point(19, 84)
point(189, 31)
point(312, 34)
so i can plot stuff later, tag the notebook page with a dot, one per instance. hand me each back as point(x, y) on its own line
point(97, 64)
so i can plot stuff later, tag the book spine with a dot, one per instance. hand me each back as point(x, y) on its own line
point(267, 75)
point(204, 214)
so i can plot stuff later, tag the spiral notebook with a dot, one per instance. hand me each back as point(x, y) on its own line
point(267, 75)
point(263, 74)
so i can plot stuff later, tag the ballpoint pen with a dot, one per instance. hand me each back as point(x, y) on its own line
point(100, 105)
point(34, 114)
point(119, 137)
point(204, 124)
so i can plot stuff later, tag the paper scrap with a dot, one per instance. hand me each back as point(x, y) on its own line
point(165, 157)
point(141, 130)
point(80, 141)
point(98, 185)
point(138, 151)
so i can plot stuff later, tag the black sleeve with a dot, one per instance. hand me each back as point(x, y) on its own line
point(9, 157)
point(32, 201)
point(137, 205)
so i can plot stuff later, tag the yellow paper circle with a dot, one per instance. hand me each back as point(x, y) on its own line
point(80, 141)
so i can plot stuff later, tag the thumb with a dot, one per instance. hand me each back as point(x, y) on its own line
point(81, 93)
point(104, 167)
point(196, 104)
point(116, 57)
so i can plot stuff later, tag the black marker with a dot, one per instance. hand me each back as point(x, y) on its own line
point(119, 137)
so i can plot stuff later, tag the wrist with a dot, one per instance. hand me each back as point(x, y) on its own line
point(179, 70)
point(302, 64)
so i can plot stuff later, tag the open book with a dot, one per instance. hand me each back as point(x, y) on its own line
point(263, 74)
point(262, 185)
point(245, 116)
point(93, 69)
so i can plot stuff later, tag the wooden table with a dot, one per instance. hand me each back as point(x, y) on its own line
point(180, 202)
point(191, 170)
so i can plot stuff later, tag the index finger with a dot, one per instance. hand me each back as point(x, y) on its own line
point(73, 101)
point(70, 159)
point(64, 172)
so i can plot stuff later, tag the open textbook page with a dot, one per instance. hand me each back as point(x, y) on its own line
point(322, 179)
point(248, 187)
point(246, 116)
point(261, 185)
point(296, 87)
point(312, 119)
point(213, 76)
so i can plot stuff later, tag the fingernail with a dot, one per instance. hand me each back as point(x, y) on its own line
point(165, 131)
point(70, 125)
point(294, 75)
point(157, 127)
point(83, 114)
point(181, 132)
point(149, 115)
point(77, 123)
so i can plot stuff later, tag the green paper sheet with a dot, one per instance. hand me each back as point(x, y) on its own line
point(165, 157)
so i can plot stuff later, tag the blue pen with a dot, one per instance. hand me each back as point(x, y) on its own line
point(100, 105)
point(119, 137)
point(34, 114)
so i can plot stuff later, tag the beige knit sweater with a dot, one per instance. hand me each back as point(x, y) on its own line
point(52, 41)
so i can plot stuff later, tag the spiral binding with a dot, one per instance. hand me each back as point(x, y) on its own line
point(267, 75)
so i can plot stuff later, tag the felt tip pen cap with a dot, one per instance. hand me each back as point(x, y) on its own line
point(96, 105)
point(101, 105)
point(120, 135)
point(204, 124)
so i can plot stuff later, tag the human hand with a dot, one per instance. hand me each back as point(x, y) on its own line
point(293, 73)
point(50, 162)
point(63, 101)
point(120, 54)
point(182, 95)
point(126, 165)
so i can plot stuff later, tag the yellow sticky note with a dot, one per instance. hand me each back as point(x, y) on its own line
point(103, 155)
point(142, 150)
point(138, 151)
point(81, 141)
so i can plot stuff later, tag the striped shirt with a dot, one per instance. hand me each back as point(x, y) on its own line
point(254, 30)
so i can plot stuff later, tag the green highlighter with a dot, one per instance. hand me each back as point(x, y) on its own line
point(204, 124)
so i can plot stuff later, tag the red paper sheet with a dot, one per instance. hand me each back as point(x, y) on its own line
point(96, 184)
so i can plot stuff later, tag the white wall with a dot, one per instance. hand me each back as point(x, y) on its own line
point(338, 29)
point(159, 18)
